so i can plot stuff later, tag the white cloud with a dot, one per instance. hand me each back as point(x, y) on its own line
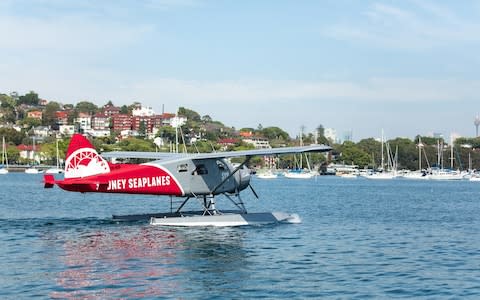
point(65, 34)
point(422, 26)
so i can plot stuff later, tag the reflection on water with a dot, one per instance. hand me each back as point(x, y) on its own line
point(144, 261)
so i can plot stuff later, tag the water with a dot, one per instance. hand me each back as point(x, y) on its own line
point(358, 239)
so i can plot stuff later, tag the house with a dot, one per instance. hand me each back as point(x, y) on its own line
point(100, 122)
point(121, 122)
point(62, 117)
point(29, 152)
point(110, 110)
point(227, 142)
point(35, 114)
point(67, 130)
point(258, 142)
point(41, 132)
point(84, 121)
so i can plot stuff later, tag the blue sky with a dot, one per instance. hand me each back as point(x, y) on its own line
point(409, 67)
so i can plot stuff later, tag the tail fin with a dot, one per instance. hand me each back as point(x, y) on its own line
point(49, 181)
point(83, 160)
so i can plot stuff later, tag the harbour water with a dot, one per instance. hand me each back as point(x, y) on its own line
point(358, 239)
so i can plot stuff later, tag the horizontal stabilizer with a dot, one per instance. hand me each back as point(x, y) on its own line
point(49, 181)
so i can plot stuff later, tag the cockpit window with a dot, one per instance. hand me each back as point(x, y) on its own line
point(200, 170)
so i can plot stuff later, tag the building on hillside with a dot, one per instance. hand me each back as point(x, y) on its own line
point(84, 121)
point(100, 122)
point(227, 142)
point(41, 132)
point(42, 102)
point(147, 122)
point(246, 134)
point(331, 134)
point(35, 114)
point(258, 142)
point(66, 130)
point(110, 110)
point(61, 117)
point(29, 152)
point(143, 112)
point(121, 122)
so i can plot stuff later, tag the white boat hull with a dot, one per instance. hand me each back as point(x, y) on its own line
point(54, 171)
point(227, 220)
point(3, 171)
point(294, 175)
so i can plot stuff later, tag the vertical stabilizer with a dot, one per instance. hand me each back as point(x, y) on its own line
point(83, 160)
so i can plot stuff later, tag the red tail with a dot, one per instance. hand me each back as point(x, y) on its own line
point(83, 160)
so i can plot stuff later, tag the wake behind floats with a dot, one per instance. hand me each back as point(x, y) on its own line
point(189, 176)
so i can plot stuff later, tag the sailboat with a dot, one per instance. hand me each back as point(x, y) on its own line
point(445, 174)
point(301, 173)
point(32, 169)
point(4, 166)
point(391, 171)
point(56, 170)
point(420, 173)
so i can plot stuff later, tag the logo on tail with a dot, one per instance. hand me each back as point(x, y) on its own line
point(83, 160)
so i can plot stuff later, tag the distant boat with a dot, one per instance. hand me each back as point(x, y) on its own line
point(56, 170)
point(32, 169)
point(267, 174)
point(391, 163)
point(4, 166)
point(299, 174)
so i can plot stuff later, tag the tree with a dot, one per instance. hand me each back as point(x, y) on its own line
point(352, 154)
point(189, 114)
point(11, 135)
point(320, 131)
point(273, 133)
point(29, 99)
point(124, 109)
point(7, 109)
point(49, 114)
point(86, 107)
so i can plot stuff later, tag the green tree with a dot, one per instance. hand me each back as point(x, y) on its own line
point(7, 109)
point(189, 114)
point(86, 107)
point(272, 133)
point(49, 113)
point(11, 135)
point(352, 154)
point(29, 99)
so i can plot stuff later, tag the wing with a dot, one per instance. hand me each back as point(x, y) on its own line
point(256, 152)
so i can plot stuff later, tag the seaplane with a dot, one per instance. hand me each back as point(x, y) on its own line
point(201, 177)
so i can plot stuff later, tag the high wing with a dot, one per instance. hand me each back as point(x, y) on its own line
point(248, 153)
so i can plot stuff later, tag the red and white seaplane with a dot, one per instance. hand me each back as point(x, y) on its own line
point(189, 176)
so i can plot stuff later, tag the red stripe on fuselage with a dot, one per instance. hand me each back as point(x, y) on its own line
point(130, 179)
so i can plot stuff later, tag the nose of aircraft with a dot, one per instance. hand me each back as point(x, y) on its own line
point(244, 178)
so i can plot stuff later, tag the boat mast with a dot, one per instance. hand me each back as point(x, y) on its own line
point(451, 152)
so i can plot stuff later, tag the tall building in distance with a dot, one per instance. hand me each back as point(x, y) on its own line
point(476, 123)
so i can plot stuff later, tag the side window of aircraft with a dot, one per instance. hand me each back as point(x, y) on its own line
point(200, 170)
point(182, 168)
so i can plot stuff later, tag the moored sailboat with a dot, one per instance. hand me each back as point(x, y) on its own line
point(4, 166)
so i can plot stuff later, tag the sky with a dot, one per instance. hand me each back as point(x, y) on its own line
point(408, 67)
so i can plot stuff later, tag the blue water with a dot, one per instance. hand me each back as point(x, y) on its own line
point(358, 239)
